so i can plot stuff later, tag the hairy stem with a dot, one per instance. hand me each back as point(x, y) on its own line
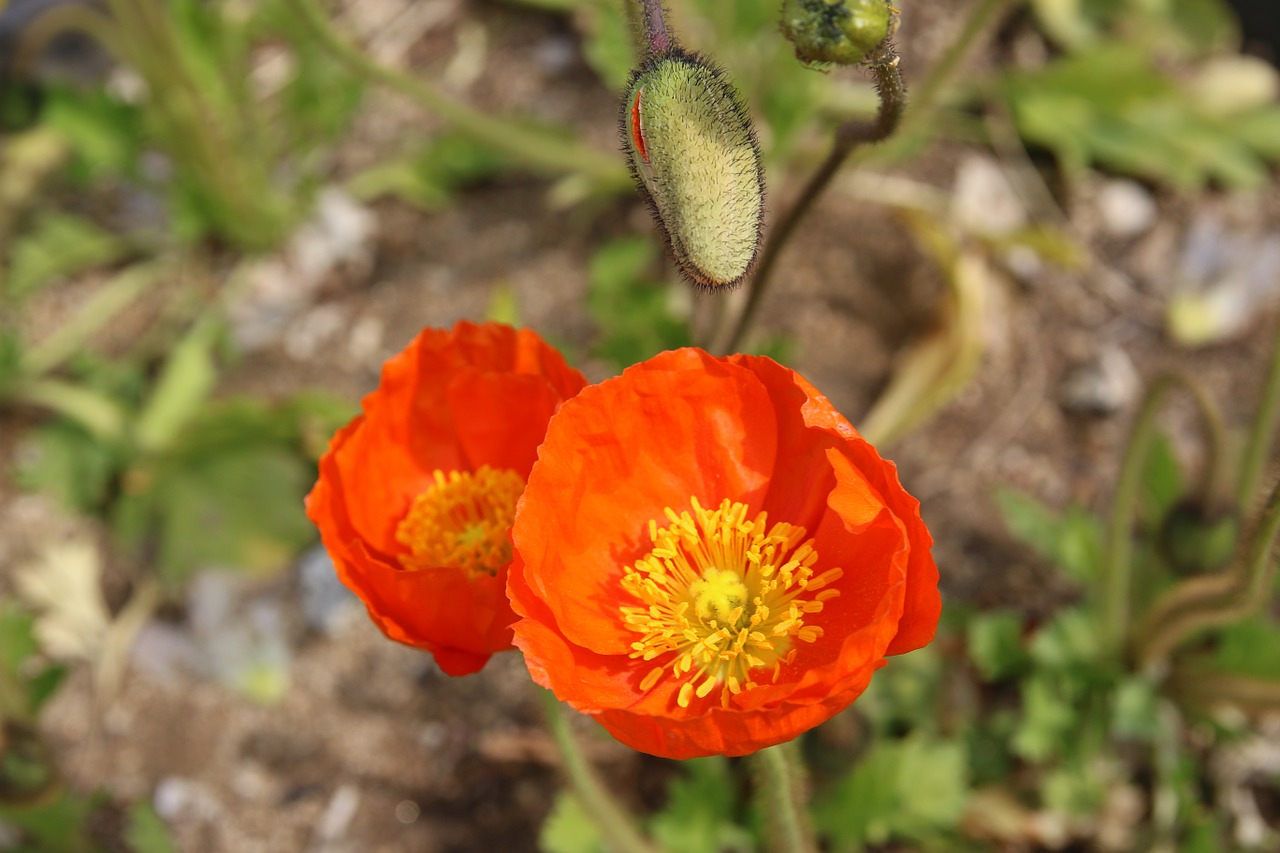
point(657, 37)
point(1247, 587)
point(1258, 446)
point(782, 797)
point(616, 824)
point(893, 95)
point(1118, 560)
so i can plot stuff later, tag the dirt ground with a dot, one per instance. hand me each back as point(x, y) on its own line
point(371, 748)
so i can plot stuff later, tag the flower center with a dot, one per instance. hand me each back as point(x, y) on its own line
point(723, 599)
point(462, 521)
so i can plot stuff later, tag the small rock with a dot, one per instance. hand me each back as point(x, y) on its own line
point(1101, 387)
point(326, 603)
point(1126, 209)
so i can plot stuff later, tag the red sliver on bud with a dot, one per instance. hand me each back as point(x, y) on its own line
point(637, 136)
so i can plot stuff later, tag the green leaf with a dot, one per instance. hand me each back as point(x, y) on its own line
point(59, 245)
point(1071, 540)
point(17, 637)
point(188, 377)
point(1135, 710)
point(610, 46)
point(1069, 640)
point(429, 176)
point(996, 644)
point(698, 816)
point(56, 826)
point(915, 788)
point(229, 491)
point(147, 833)
point(1162, 481)
point(1047, 719)
point(569, 829)
point(635, 314)
point(65, 461)
point(1250, 647)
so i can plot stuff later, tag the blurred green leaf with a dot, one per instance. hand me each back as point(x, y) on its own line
point(1074, 789)
point(428, 177)
point(1162, 481)
point(1135, 712)
point(146, 832)
point(1111, 105)
point(1048, 717)
point(569, 829)
point(1071, 540)
point(913, 788)
point(1069, 640)
point(105, 134)
point(698, 815)
point(634, 313)
point(63, 460)
point(996, 644)
point(58, 245)
point(55, 826)
point(609, 47)
point(17, 637)
point(188, 377)
point(1250, 647)
point(228, 492)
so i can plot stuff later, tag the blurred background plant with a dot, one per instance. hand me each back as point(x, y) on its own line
point(195, 193)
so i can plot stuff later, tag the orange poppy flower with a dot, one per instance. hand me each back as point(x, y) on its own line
point(711, 560)
point(416, 495)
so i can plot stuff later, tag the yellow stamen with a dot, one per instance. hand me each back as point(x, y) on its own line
point(462, 521)
point(720, 600)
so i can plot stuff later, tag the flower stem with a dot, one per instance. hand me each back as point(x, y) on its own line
point(883, 62)
point(616, 824)
point(782, 797)
point(1199, 603)
point(537, 149)
point(657, 38)
point(1258, 446)
point(1117, 568)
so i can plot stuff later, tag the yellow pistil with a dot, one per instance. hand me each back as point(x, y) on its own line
point(724, 599)
point(463, 521)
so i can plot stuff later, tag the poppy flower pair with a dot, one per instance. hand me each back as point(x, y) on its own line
point(701, 553)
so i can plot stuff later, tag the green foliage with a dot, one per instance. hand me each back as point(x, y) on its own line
point(634, 313)
point(58, 244)
point(146, 832)
point(914, 788)
point(1071, 540)
point(228, 492)
point(995, 645)
point(1111, 106)
point(429, 177)
point(699, 814)
point(569, 828)
point(26, 682)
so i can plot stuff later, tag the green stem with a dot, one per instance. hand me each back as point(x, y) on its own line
point(782, 797)
point(1249, 588)
point(1117, 565)
point(616, 824)
point(892, 92)
point(943, 71)
point(1258, 446)
point(98, 414)
point(98, 311)
point(538, 149)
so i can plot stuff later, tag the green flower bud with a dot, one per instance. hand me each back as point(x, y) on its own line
point(696, 161)
point(1196, 540)
point(836, 31)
